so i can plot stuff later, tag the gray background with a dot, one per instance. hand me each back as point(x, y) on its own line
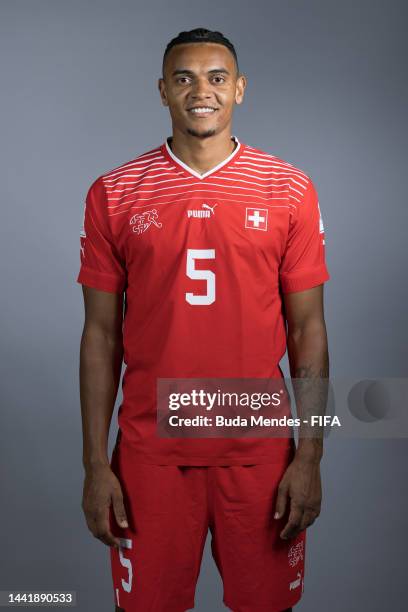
point(327, 91)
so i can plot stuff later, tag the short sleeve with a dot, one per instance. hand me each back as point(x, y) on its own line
point(101, 265)
point(303, 263)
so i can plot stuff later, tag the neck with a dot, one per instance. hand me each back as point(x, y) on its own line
point(202, 154)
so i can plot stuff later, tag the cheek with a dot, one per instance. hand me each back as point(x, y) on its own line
point(228, 99)
point(175, 111)
point(226, 109)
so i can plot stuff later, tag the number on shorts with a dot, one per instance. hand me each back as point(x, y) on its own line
point(126, 584)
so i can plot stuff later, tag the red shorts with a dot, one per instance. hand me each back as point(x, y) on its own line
point(170, 509)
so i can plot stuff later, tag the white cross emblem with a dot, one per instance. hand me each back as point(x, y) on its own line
point(256, 218)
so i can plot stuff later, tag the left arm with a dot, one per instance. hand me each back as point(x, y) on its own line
point(308, 360)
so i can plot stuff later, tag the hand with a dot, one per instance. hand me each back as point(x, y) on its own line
point(302, 484)
point(101, 489)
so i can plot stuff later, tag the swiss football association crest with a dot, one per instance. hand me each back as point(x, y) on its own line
point(256, 218)
point(295, 553)
point(142, 221)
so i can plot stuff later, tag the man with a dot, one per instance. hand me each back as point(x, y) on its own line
point(194, 257)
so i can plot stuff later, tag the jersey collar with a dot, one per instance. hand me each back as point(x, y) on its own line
point(168, 153)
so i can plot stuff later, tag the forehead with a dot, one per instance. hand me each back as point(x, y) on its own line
point(199, 57)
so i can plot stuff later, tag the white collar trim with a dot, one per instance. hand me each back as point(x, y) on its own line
point(197, 174)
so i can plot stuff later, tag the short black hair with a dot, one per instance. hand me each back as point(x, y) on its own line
point(201, 35)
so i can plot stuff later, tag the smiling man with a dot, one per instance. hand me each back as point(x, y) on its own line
point(202, 257)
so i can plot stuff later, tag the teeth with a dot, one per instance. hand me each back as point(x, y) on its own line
point(204, 109)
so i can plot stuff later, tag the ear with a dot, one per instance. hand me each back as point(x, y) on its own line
point(162, 89)
point(240, 89)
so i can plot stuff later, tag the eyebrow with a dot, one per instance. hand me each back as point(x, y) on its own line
point(185, 71)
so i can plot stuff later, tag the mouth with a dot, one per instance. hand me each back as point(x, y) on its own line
point(202, 111)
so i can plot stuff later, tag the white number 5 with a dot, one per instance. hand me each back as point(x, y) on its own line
point(126, 584)
point(208, 275)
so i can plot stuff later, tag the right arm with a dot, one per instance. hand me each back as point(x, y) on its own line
point(101, 356)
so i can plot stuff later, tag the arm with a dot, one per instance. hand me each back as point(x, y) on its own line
point(101, 356)
point(309, 360)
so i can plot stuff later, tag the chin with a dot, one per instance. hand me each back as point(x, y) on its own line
point(205, 133)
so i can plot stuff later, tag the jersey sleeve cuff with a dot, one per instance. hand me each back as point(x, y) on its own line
point(304, 279)
point(100, 280)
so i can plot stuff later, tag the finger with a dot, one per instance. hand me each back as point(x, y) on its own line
point(281, 501)
point(309, 517)
point(101, 528)
point(102, 532)
point(119, 510)
point(109, 540)
point(291, 528)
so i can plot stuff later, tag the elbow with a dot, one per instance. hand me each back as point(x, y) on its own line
point(308, 352)
point(310, 330)
point(95, 337)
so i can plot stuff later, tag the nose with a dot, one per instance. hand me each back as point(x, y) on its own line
point(201, 89)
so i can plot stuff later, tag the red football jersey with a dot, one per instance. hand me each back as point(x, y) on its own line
point(204, 260)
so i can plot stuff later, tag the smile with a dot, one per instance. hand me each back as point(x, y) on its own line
point(202, 111)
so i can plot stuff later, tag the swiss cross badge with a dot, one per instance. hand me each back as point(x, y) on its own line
point(256, 218)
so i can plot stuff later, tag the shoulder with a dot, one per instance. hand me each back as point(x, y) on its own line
point(295, 178)
point(131, 169)
point(116, 181)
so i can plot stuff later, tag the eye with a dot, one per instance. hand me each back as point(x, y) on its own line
point(181, 79)
point(220, 78)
